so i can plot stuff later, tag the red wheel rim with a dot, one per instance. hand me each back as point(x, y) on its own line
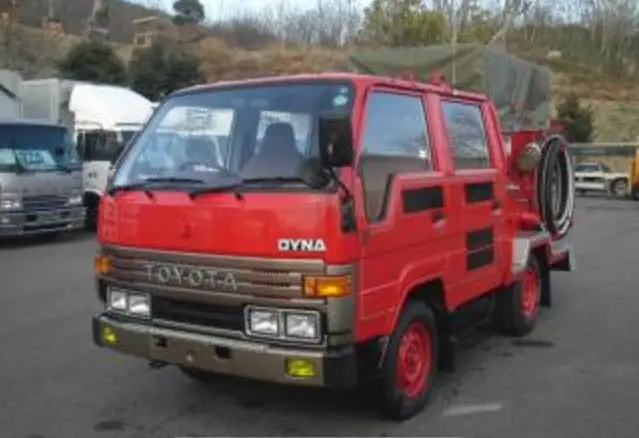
point(414, 360)
point(531, 288)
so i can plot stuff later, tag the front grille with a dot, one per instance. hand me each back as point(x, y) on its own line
point(44, 202)
point(188, 312)
point(205, 289)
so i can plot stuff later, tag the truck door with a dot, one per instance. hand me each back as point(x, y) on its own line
point(478, 190)
point(404, 226)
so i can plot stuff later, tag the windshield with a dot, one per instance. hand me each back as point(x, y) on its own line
point(253, 132)
point(36, 148)
point(587, 168)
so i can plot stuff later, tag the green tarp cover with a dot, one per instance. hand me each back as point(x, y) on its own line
point(520, 89)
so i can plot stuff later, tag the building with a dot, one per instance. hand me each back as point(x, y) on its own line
point(149, 29)
point(9, 11)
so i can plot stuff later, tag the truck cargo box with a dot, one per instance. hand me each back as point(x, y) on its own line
point(10, 95)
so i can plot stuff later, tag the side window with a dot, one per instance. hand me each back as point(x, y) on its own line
point(396, 127)
point(467, 135)
point(394, 141)
point(605, 168)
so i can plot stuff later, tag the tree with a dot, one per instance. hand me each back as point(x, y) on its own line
point(577, 119)
point(402, 23)
point(162, 68)
point(93, 61)
point(188, 12)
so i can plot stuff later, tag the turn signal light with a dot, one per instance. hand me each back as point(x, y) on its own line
point(102, 264)
point(327, 287)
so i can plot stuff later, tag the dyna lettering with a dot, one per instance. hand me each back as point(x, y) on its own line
point(193, 276)
point(305, 245)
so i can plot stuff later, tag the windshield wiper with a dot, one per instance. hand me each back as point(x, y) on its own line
point(218, 188)
point(140, 185)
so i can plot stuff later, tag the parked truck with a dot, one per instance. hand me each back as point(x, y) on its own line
point(351, 228)
point(40, 173)
point(101, 119)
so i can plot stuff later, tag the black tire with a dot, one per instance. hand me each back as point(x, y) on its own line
point(514, 316)
point(396, 404)
point(617, 188)
point(635, 193)
point(198, 375)
point(92, 203)
point(581, 192)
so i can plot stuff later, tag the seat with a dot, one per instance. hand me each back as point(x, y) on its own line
point(278, 155)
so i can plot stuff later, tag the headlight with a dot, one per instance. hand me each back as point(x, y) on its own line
point(300, 325)
point(75, 200)
point(10, 202)
point(264, 322)
point(128, 302)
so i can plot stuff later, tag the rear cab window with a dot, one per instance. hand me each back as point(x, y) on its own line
point(467, 135)
point(395, 140)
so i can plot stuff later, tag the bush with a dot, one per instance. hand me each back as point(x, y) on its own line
point(162, 68)
point(93, 61)
point(577, 119)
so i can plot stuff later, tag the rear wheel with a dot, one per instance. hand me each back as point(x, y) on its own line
point(517, 306)
point(410, 361)
point(619, 188)
point(635, 193)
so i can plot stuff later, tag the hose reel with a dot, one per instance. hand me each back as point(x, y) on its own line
point(556, 186)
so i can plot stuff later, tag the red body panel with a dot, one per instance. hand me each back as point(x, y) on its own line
point(219, 223)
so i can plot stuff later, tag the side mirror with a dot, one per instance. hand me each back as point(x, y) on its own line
point(313, 173)
point(336, 140)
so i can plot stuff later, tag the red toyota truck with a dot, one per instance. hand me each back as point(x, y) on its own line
point(328, 231)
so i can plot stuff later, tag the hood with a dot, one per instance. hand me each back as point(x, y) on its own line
point(259, 225)
point(42, 183)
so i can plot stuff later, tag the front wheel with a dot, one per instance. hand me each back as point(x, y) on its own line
point(635, 193)
point(410, 363)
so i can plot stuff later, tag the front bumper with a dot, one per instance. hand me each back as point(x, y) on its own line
point(244, 358)
point(25, 223)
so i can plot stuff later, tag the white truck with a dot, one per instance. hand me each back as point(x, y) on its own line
point(598, 177)
point(103, 119)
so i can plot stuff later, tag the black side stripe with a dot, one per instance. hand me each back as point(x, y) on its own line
point(478, 192)
point(478, 259)
point(479, 239)
point(422, 199)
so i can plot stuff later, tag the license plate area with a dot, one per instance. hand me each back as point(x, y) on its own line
point(182, 351)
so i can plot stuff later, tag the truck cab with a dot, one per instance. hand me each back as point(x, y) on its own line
point(40, 180)
point(319, 231)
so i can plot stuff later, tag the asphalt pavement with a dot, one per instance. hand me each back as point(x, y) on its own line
point(576, 375)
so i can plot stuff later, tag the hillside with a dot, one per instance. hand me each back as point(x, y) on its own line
point(33, 52)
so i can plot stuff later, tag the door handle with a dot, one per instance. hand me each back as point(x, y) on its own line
point(437, 216)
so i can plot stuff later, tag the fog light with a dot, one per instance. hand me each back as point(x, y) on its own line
point(263, 322)
point(109, 335)
point(300, 368)
point(302, 325)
